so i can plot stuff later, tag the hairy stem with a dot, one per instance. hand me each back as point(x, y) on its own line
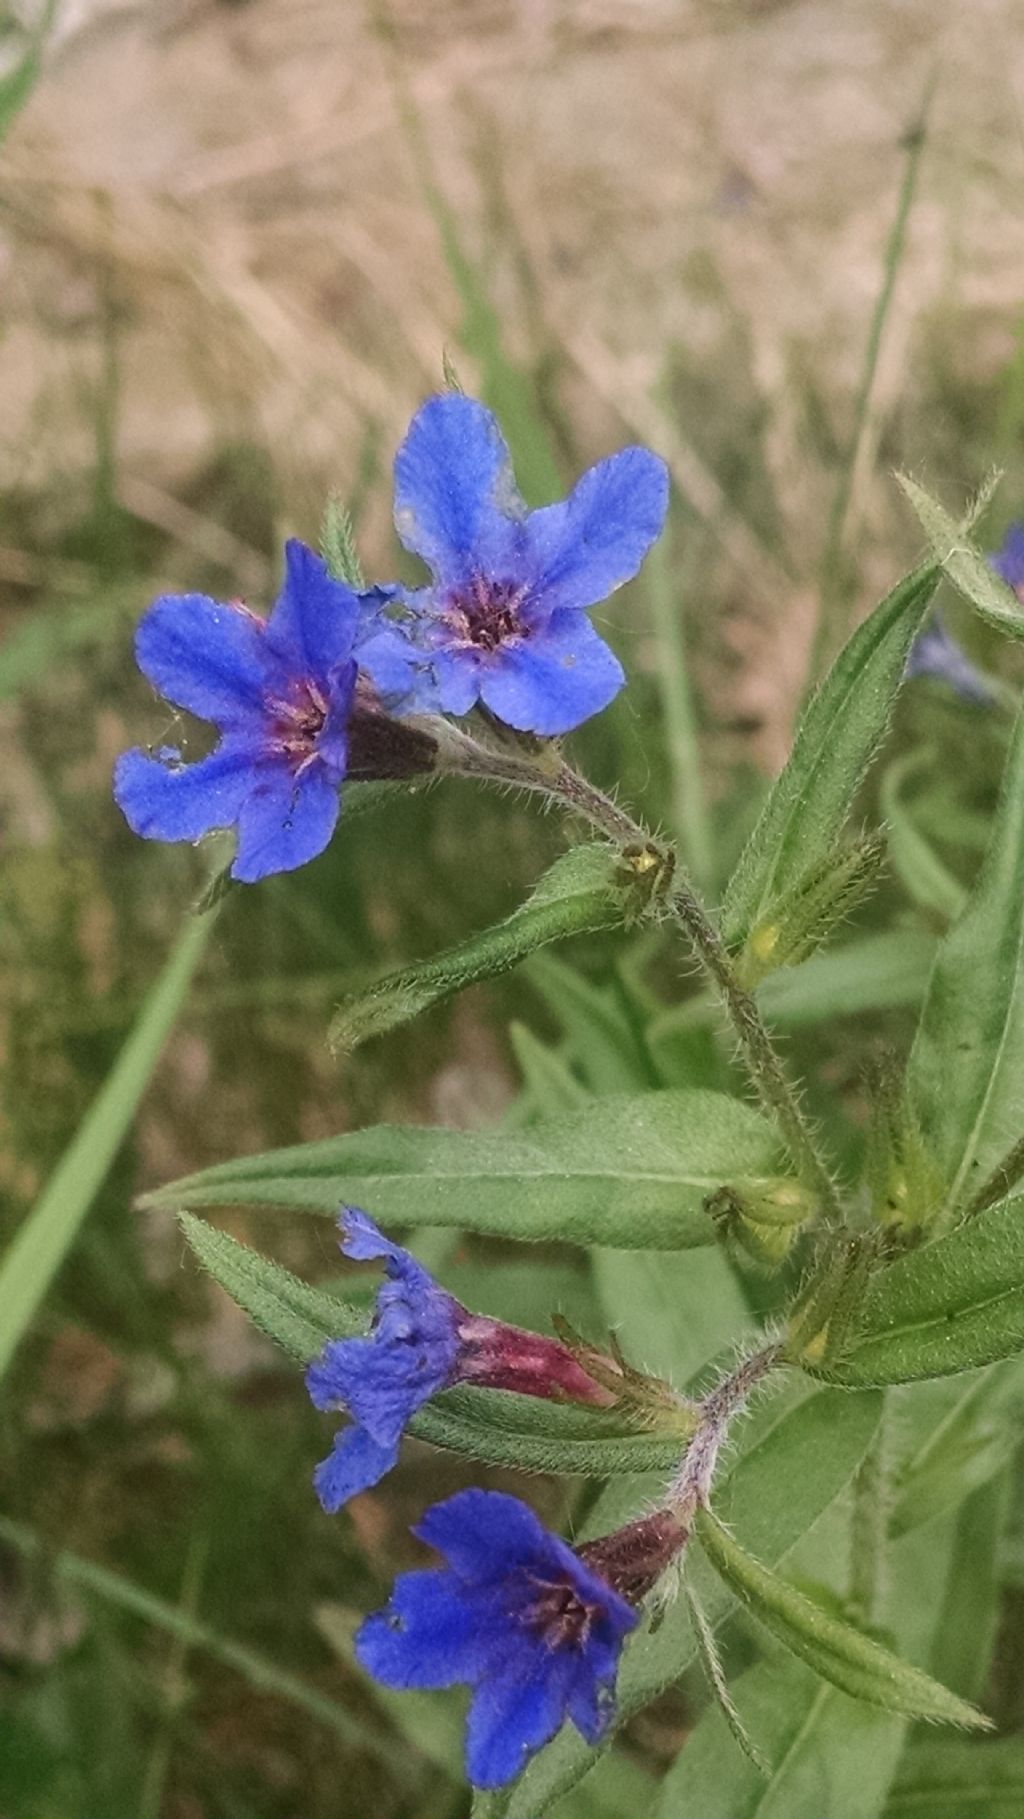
point(691, 1488)
point(763, 1064)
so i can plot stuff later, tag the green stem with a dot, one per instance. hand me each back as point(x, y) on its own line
point(763, 1064)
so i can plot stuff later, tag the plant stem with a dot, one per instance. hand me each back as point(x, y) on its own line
point(763, 1064)
point(715, 1414)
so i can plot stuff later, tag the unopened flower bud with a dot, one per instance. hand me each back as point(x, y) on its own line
point(805, 915)
point(763, 1217)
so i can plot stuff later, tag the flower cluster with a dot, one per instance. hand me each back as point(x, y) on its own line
point(319, 690)
point(534, 1626)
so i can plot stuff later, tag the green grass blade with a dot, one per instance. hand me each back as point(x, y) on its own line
point(43, 1241)
point(831, 626)
point(16, 84)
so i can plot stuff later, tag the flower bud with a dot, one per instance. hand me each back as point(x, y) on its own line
point(762, 1217)
point(805, 915)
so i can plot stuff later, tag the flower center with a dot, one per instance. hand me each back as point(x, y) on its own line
point(297, 722)
point(486, 612)
point(558, 1614)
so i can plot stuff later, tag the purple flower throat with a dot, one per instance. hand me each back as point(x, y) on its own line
point(486, 612)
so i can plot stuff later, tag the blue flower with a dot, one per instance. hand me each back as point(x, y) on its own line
point(411, 1352)
point(936, 653)
point(516, 1615)
point(505, 621)
point(1008, 560)
point(421, 1341)
point(281, 693)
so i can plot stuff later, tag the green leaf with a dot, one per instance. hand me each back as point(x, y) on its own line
point(971, 1443)
point(962, 562)
point(955, 1303)
point(952, 1778)
point(602, 1039)
point(548, 1081)
point(42, 1242)
point(793, 1462)
point(921, 872)
point(498, 1428)
point(806, 1731)
point(969, 1619)
point(671, 1310)
point(338, 544)
point(841, 1654)
point(576, 896)
point(839, 733)
point(627, 1171)
point(967, 1064)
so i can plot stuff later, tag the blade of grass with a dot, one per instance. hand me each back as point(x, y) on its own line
point(17, 83)
point(47, 1234)
point(155, 1781)
point(261, 1673)
point(689, 811)
point(831, 627)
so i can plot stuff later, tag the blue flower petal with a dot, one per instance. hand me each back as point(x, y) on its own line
point(166, 799)
point(364, 1241)
point(935, 653)
point(512, 1715)
point(585, 548)
point(456, 503)
point(1008, 560)
point(313, 625)
point(591, 1697)
point(286, 819)
point(381, 1384)
point(397, 670)
point(456, 677)
point(428, 1636)
point(483, 1534)
point(356, 1463)
point(553, 681)
point(207, 657)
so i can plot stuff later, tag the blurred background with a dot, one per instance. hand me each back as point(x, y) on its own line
point(779, 242)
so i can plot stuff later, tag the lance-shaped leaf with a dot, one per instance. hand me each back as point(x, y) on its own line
point(839, 733)
point(627, 1171)
point(801, 1725)
point(578, 895)
point(952, 1305)
point(838, 1652)
point(962, 562)
point(494, 1426)
point(966, 1070)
